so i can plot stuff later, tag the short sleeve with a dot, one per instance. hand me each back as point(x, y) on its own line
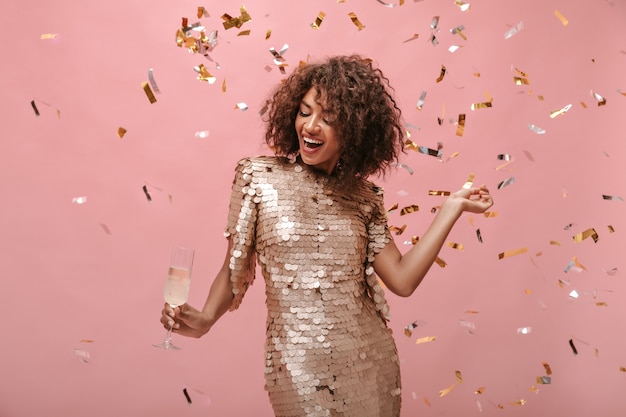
point(378, 237)
point(241, 230)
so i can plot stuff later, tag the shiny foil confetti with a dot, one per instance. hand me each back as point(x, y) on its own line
point(147, 194)
point(82, 354)
point(79, 200)
point(612, 197)
point(203, 134)
point(460, 125)
point(420, 102)
point(519, 402)
point(244, 33)
point(483, 105)
point(356, 21)
point(34, 106)
point(510, 253)
point(591, 232)
point(405, 166)
point(611, 229)
point(397, 230)
point(524, 330)
point(599, 99)
point(479, 236)
point(546, 366)
point(536, 129)
point(392, 208)
point(204, 74)
point(556, 113)
point(488, 214)
point(409, 209)
point(459, 31)
point(438, 192)
point(202, 12)
point(121, 132)
point(433, 40)
point(106, 230)
point(447, 391)
point(237, 22)
point(241, 106)
point(45, 36)
point(462, 5)
point(152, 81)
point(148, 91)
point(434, 22)
point(513, 30)
point(562, 18)
point(506, 183)
point(457, 246)
point(318, 20)
point(408, 330)
point(268, 33)
point(385, 3)
point(544, 380)
point(573, 347)
point(440, 262)
point(425, 339)
point(412, 38)
point(442, 73)
point(187, 397)
point(480, 390)
point(453, 48)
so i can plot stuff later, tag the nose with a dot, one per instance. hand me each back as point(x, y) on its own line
point(312, 124)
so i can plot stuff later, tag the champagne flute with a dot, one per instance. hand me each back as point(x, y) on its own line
point(176, 289)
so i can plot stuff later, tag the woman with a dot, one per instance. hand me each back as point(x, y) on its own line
point(318, 229)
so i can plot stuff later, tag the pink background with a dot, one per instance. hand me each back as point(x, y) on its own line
point(81, 306)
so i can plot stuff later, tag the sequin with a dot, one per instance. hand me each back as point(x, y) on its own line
point(328, 348)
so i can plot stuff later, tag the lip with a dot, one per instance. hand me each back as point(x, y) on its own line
point(306, 149)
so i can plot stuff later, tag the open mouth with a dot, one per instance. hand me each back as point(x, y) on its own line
point(312, 143)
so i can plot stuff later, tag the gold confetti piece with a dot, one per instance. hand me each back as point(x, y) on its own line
point(420, 102)
point(561, 17)
point(543, 380)
point(224, 85)
point(318, 20)
point(560, 112)
point(519, 402)
point(241, 106)
point(230, 22)
point(48, 36)
point(619, 90)
point(508, 254)
point(490, 214)
point(79, 200)
point(521, 81)
point(408, 330)
point(426, 401)
point(612, 197)
point(555, 243)
point(440, 262)
point(513, 30)
point(202, 12)
point(546, 366)
point(506, 182)
point(528, 292)
point(356, 21)
point(571, 345)
point(457, 246)
point(244, 33)
point(462, 5)
point(480, 390)
point(121, 132)
point(622, 369)
point(536, 129)
point(409, 209)
point(460, 126)
point(447, 391)
point(611, 229)
point(204, 74)
point(472, 312)
point(483, 105)
point(412, 38)
point(268, 33)
point(459, 379)
point(425, 339)
point(601, 304)
point(601, 100)
point(86, 341)
point(34, 106)
point(106, 230)
point(392, 208)
point(579, 237)
point(148, 91)
point(397, 230)
point(438, 192)
point(459, 31)
point(433, 40)
point(470, 182)
point(442, 73)
point(479, 236)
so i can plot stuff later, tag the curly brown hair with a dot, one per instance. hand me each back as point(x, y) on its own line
point(366, 118)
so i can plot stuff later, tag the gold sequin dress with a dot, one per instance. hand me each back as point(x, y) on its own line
point(329, 351)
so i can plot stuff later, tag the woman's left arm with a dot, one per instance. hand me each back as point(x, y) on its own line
point(403, 273)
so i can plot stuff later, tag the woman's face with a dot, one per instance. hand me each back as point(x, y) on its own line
point(319, 146)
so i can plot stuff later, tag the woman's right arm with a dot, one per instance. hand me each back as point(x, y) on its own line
point(188, 321)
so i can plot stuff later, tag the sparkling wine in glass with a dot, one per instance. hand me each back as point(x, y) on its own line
point(176, 289)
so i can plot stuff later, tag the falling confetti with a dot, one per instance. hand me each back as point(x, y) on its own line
point(106, 230)
point(204, 74)
point(356, 21)
point(79, 200)
point(145, 191)
point(146, 88)
point(34, 106)
point(187, 396)
point(560, 112)
point(420, 102)
point(121, 132)
point(612, 197)
point(230, 22)
point(506, 183)
point(513, 252)
point(45, 36)
point(591, 232)
point(152, 81)
point(460, 126)
point(524, 330)
point(409, 209)
point(388, 4)
point(536, 129)
point(571, 345)
point(241, 106)
point(562, 18)
point(459, 31)
point(462, 5)
point(202, 134)
point(318, 20)
point(513, 30)
point(601, 100)
point(441, 74)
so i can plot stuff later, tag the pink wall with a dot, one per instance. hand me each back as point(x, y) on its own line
point(75, 289)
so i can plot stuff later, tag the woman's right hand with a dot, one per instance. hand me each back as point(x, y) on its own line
point(185, 320)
